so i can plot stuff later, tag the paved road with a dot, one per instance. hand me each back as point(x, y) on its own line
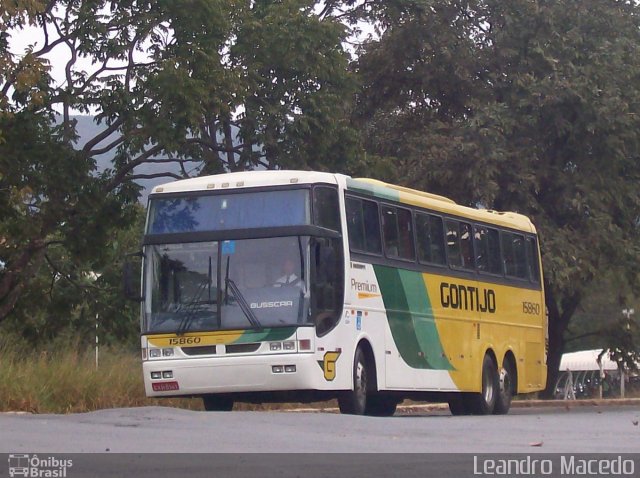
point(158, 429)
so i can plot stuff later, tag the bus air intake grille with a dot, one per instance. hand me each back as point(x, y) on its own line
point(204, 350)
point(242, 348)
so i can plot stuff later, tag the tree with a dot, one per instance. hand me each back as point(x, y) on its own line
point(68, 295)
point(207, 85)
point(525, 106)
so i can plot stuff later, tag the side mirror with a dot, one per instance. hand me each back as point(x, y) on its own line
point(130, 278)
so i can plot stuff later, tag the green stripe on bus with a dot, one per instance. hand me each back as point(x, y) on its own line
point(278, 333)
point(373, 189)
point(411, 318)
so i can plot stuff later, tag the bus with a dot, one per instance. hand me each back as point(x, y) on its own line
point(273, 286)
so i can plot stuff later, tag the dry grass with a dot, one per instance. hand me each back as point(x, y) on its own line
point(64, 379)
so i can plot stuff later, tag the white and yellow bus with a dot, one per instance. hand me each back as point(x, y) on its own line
point(302, 286)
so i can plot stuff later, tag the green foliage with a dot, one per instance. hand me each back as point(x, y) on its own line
point(72, 291)
point(208, 85)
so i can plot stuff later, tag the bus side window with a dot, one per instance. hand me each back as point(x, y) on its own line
point(459, 245)
point(430, 233)
point(532, 260)
point(326, 211)
point(355, 224)
point(405, 234)
point(466, 245)
point(398, 233)
point(390, 232)
point(514, 255)
point(373, 242)
point(363, 225)
point(453, 244)
point(487, 244)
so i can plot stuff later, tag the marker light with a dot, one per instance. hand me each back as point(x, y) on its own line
point(305, 344)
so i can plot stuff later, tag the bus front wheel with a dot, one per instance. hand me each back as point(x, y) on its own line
point(354, 402)
point(217, 403)
point(380, 405)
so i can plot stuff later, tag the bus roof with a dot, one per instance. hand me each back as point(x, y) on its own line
point(246, 179)
point(373, 187)
point(439, 203)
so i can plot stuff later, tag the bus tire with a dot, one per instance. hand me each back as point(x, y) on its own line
point(380, 405)
point(457, 405)
point(354, 402)
point(483, 403)
point(217, 403)
point(506, 388)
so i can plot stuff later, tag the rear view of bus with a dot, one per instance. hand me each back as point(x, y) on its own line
point(242, 273)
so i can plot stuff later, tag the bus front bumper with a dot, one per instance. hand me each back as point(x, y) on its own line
point(258, 373)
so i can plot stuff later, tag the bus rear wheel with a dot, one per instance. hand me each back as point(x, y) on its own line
point(354, 402)
point(506, 390)
point(483, 403)
point(217, 403)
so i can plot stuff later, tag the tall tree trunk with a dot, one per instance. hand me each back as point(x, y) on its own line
point(559, 318)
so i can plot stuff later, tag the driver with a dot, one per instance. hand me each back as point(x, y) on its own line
point(289, 277)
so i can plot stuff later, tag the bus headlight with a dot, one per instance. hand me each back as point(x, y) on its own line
point(287, 346)
point(157, 353)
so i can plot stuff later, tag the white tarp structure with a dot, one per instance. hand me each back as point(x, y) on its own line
point(581, 374)
point(586, 360)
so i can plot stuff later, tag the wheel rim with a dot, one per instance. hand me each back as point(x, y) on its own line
point(488, 391)
point(505, 383)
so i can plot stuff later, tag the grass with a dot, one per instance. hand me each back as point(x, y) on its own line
point(64, 379)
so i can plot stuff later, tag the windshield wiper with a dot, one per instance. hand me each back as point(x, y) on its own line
point(194, 305)
point(242, 302)
point(244, 306)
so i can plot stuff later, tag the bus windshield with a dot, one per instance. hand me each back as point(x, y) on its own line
point(222, 285)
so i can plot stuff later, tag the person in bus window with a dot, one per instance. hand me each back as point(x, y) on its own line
point(289, 277)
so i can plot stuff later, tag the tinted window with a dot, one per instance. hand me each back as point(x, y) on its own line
point(430, 238)
point(514, 255)
point(229, 211)
point(487, 244)
point(532, 260)
point(326, 212)
point(363, 224)
point(459, 245)
point(398, 232)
